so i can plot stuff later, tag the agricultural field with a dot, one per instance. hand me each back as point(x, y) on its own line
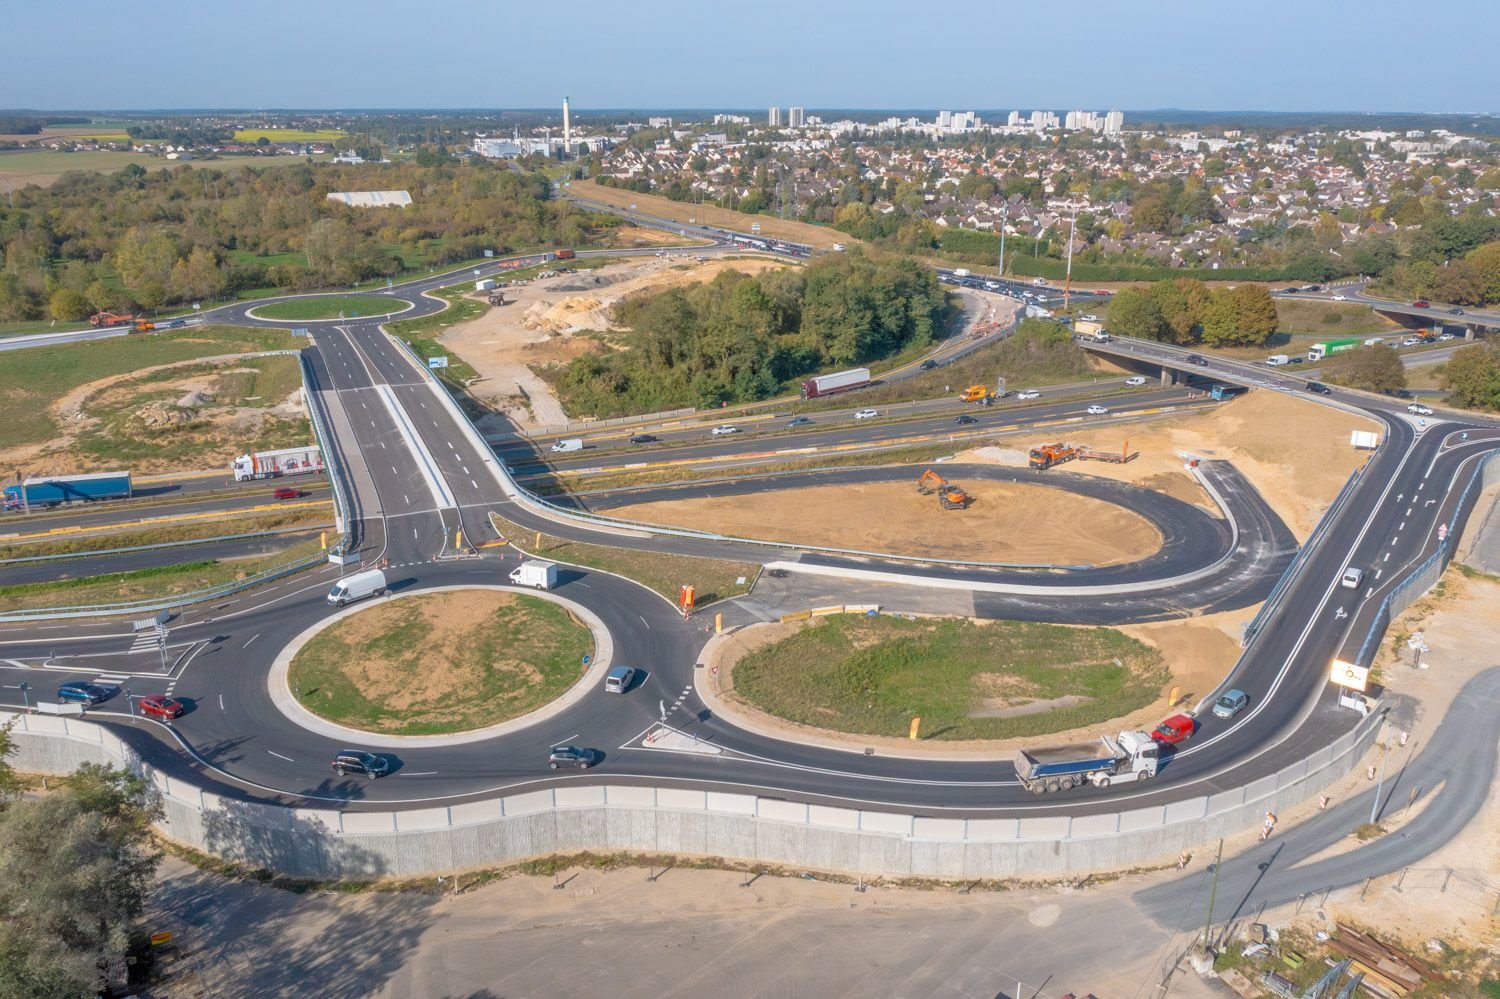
point(43, 166)
point(288, 134)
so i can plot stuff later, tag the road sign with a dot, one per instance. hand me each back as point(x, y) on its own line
point(755, 227)
point(433, 363)
point(489, 253)
point(1442, 532)
point(1349, 675)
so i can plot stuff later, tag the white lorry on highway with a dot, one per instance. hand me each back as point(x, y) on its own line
point(1130, 757)
point(271, 464)
point(357, 586)
point(540, 575)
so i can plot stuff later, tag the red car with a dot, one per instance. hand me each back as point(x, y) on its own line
point(161, 706)
point(1419, 304)
point(1173, 730)
point(288, 492)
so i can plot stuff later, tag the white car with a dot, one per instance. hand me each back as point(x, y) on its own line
point(867, 414)
point(1417, 409)
point(1089, 317)
point(725, 429)
point(1136, 380)
point(1448, 336)
point(1029, 394)
point(1410, 341)
point(1341, 298)
point(1097, 410)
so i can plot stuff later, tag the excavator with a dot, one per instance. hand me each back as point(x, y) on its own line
point(950, 496)
point(1044, 456)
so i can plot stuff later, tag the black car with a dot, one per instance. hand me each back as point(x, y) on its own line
point(1197, 359)
point(88, 693)
point(1455, 312)
point(965, 420)
point(1313, 287)
point(1319, 388)
point(799, 421)
point(572, 756)
point(928, 364)
point(357, 761)
point(644, 439)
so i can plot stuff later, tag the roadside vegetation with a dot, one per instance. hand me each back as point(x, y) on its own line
point(713, 579)
point(329, 307)
point(309, 518)
point(1472, 377)
point(1331, 318)
point(965, 680)
point(1185, 311)
point(1376, 368)
point(441, 662)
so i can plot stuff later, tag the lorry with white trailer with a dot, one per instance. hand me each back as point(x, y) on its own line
point(53, 490)
point(839, 381)
point(533, 573)
point(272, 464)
point(1132, 756)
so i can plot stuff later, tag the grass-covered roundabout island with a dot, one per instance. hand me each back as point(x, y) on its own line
point(315, 307)
point(439, 663)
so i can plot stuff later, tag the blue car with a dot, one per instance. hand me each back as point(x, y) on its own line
point(88, 693)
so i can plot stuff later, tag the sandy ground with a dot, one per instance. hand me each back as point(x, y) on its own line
point(818, 236)
point(1196, 654)
point(538, 323)
point(71, 413)
point(1005, 522)
point(1296, 452)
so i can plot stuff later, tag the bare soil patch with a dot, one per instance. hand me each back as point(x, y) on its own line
point(679, 211)
point(546, 321)
point(1006, 523)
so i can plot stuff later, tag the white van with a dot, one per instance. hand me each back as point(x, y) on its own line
point(570, 444)
point(542, 575)
point(1277, 360)
point(370, 583)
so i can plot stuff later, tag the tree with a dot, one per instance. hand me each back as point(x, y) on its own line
point(1472, 377)
point(1374, 369)
point(1133, 312)
point(1182, 302)
point(67, 305)
point(1244, 315)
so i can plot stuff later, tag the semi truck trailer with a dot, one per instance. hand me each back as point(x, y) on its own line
point(271, 464)
point(1318, 351)
point(839, 381)
point(57, 489)
point(1132, 756)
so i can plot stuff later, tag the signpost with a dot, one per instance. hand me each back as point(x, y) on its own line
point(440, 361)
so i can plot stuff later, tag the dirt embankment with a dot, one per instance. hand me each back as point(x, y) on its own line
point(542, 322)
point(1005, 522)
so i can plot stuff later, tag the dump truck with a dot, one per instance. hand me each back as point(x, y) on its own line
point(1132, 756)
point(53, 490)
point(950, 496)
point(839, 381)
point(1088, 327)
point(563, 254)
point(975, 393)
point(110, 319)
point(1044, 456)
point(271, 464)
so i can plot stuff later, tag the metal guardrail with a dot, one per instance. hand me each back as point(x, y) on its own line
point(1425, 576)
point(334, 472)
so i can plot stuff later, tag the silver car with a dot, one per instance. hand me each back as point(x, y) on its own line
point(1230, 704)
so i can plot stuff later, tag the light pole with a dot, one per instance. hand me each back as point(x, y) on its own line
point(1068, 282)
point(1004, 220)
point(25, 694)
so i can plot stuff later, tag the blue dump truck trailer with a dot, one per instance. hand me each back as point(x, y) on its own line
point(53, 490)
point(1130, 757)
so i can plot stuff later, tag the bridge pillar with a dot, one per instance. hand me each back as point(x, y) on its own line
point(1469, 330)
point(1168, 377)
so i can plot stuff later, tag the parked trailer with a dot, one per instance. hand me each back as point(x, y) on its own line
point(1318, 351)
point(1120, 457)
point(839, 381)
point(90, 487)
point(271, 464)
point(1130, 757)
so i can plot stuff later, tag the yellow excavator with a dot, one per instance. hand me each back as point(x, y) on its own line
point(950, 496)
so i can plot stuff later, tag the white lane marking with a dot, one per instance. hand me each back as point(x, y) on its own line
point(280, 757)
point(221, 702)
point(419, 773)
point(564, 742)
point(1401, 528)
point(450, 443)
point(252, 638)
point(644, 621)
point(473, 483)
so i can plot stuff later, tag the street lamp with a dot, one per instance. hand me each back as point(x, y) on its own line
point(25, 698)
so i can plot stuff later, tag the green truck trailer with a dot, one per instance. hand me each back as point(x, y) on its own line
point(1318, 351)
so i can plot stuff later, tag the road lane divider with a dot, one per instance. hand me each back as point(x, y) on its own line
point(436, 484)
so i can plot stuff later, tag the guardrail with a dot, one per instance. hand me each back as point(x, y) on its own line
point(687, 818)
point(334, 473)
point(1425, 576)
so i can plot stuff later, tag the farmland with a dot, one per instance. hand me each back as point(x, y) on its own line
point(288, 135)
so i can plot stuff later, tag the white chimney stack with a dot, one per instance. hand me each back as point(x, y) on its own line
point(567, 131)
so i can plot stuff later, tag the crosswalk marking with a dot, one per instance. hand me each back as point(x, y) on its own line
point(146, 641)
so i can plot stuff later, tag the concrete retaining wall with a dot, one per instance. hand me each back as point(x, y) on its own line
point(438, 840)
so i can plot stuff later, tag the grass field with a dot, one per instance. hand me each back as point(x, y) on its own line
point(145, 584)
point(328, 307)
point(1331, 318)
point(872, 676)
point(714, 579)
point(32, 379)
point(288, 134)
point(719, 218)
point(441, 662)
point(43, 166)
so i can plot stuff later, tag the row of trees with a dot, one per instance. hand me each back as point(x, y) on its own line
point(1473, 279)
point(1185, 311)
point(77, 866)
point(155, 238)
point(741, 338)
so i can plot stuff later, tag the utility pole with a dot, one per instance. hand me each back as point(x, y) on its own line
point(1068, 283)
point(1213, 891)
point(1004, 219)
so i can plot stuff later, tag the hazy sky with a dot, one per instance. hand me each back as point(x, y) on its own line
point(1198, 54)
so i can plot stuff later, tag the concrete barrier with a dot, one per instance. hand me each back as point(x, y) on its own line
point(328, 843)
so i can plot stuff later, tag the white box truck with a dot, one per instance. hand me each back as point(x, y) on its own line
point(570, 444)
point(271, 464)
point(357, 586)
point(1277, 360)
point(541, 575)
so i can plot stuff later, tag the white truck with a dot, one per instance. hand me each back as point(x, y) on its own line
point(357, 586)
point(271, 464)
point(1277, 360)
point(1091, 328)
point(961, 272)
point(540, 575)
point(1130, 757)
point(568, 444)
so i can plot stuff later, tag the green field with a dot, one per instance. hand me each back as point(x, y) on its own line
point(32, 379)
point(441, 662)
point(873, 675)
point(329, 307)
point(288, 134)
point(43, 166)
point(1331, 318)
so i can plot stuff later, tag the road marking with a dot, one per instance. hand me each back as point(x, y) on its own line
point(221, 702)
point(644, 621)
point(564, 742)
point(472, 482)
point(252, 638)
point(450, 443)
point(420, 773)
point(1401, 528)
point(280, 757)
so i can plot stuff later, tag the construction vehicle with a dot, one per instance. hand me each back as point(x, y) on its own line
point(110, 319)
point(143, 326)
point(975, 393)
point(1130, 757)
point(1044, 456)
point(1120, 457)
point(950, 496)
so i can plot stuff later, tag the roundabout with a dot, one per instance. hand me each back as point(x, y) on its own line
point(324, 308)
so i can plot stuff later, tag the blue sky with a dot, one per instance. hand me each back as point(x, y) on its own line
point(1198, 54)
